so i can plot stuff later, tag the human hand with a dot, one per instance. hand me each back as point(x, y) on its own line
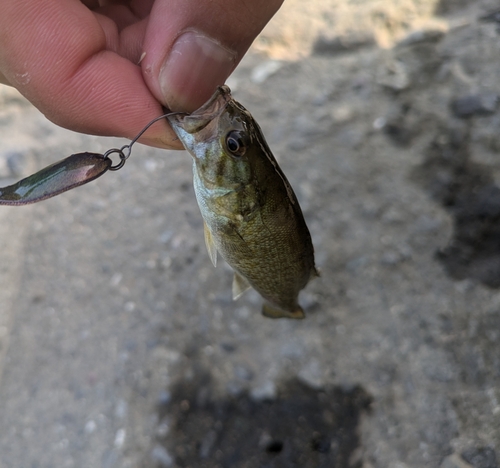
point(106, 67)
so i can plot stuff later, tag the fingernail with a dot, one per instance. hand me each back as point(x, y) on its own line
point(197, 64)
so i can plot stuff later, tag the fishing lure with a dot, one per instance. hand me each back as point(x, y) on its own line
point(69, 173)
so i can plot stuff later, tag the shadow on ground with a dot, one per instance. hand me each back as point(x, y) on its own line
point(301, 427)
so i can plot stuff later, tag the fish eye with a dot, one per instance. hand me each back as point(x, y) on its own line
point(235, 143)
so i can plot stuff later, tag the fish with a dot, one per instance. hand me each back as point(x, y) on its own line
point(251, 214)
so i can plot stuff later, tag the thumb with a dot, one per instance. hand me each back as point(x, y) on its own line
point(192, 46)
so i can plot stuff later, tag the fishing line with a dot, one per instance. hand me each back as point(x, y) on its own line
point(125, 151)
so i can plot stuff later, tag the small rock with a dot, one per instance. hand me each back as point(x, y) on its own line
point(309, 301)
point(379, 123)
point(150, 165)
point(90, 427)
point(163, 428)
point(120, 438)
point(342, 113)
point(164, 397)
point(264, 440)
point(129, 306)
point(228, 347)
point(454, 461)
point(391, 258)
point(475, 104)
point(481, 457)
point(243, 373)
point(160, 455)
point(264, 70)
point(312, 374)
point(325, 45)
point(121, 409)
point(265, 392)
point(394, 75)
point(424, 35)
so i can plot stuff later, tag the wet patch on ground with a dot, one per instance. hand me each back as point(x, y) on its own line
point(300, 427)
point(468, 191)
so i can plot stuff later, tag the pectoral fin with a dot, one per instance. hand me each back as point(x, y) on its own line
point(240, 285)
point(270, 311)
point(209, 242)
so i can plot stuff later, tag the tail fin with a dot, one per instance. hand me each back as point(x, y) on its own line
point(274, 312)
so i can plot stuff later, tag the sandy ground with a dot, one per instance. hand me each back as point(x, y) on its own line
point(120, 345)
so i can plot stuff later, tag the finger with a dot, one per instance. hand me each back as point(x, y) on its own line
point(62, 65)
point(199, 46)
point(140, 8)
point(124, 12)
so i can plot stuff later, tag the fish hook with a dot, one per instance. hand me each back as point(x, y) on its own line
point(125, 151)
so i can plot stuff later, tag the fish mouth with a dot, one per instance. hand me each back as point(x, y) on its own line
point(216, 103)
point(200, 118)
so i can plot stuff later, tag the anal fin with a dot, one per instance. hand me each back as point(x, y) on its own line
point(240, 285)
point(209, 242)
point(270, 311)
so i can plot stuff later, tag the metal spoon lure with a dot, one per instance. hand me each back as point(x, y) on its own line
point(73, 171)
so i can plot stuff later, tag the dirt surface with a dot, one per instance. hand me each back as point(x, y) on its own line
point(120, 345)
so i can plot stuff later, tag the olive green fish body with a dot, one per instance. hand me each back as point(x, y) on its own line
point(252, 216)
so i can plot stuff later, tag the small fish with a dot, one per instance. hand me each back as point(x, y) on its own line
point(251, 214)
